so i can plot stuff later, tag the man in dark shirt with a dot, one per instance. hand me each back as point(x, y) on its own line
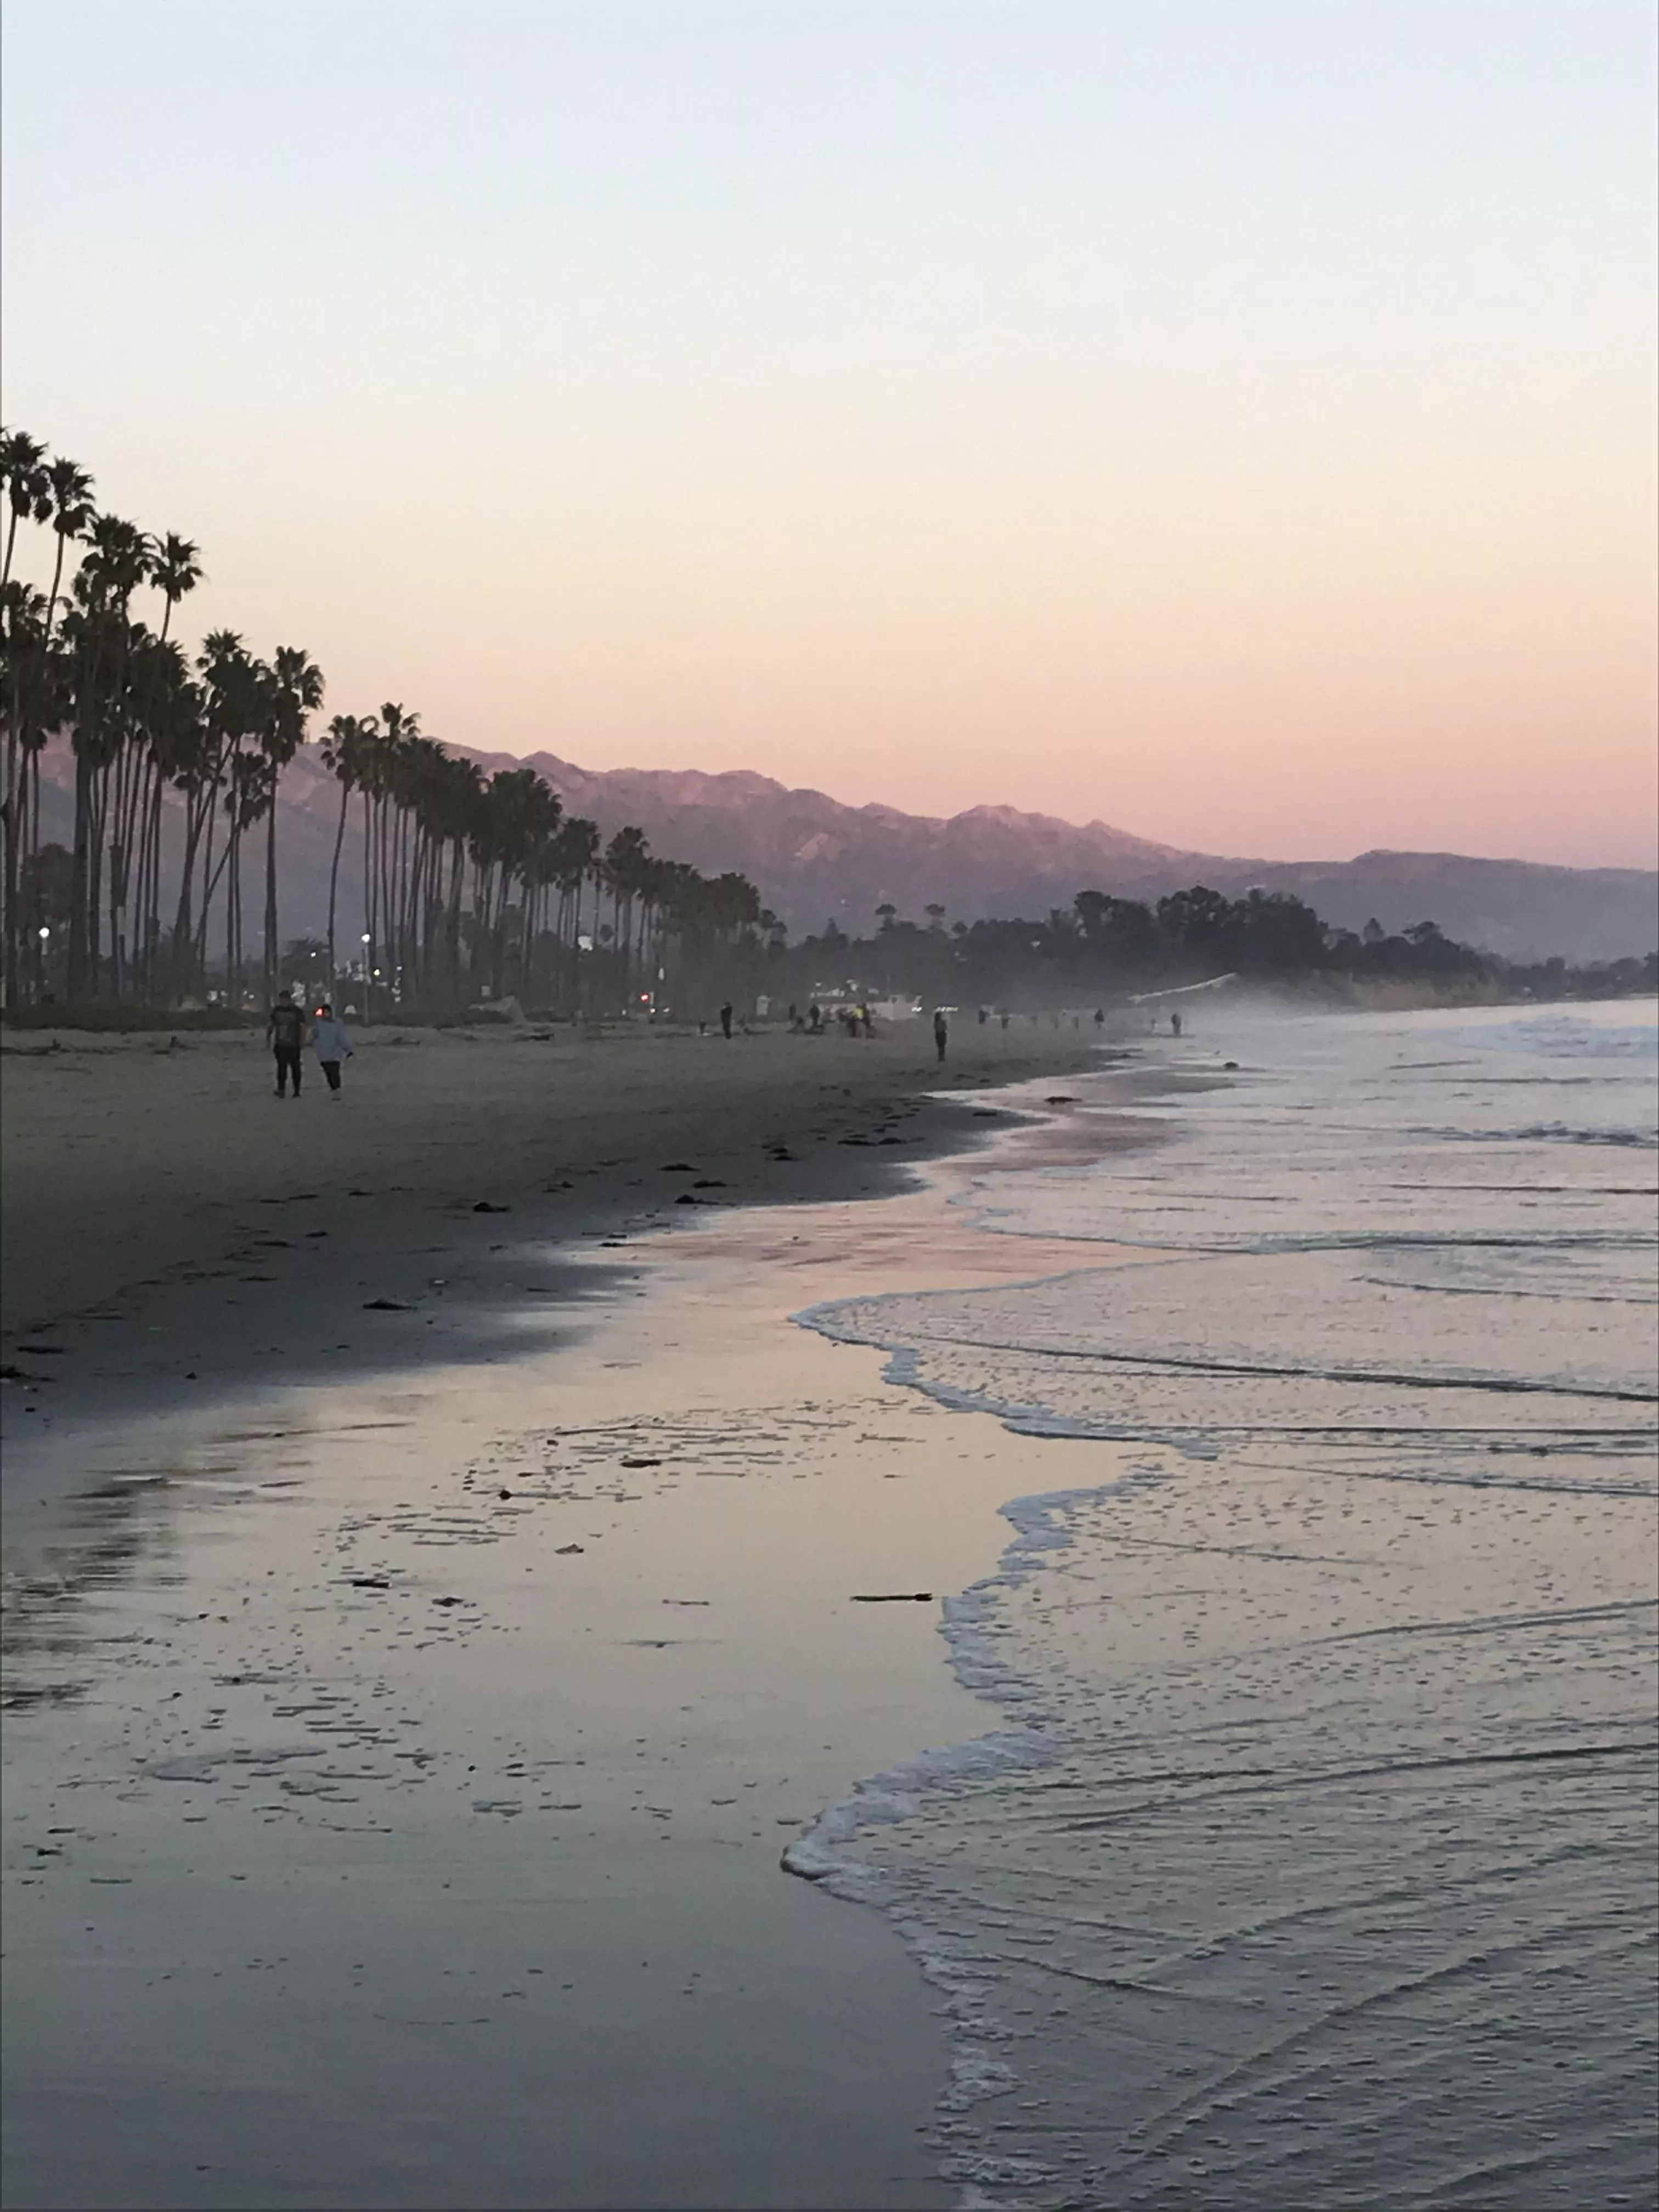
point(285, 1033)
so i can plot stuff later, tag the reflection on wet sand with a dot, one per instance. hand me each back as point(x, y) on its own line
point(413, 1830)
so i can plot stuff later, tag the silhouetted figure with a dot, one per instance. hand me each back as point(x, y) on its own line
point(1175, 1024)
point(1003, 1019)
point(1100, 1017)
point(984, 1016)
point(814, 1018)
point(726, 1019)
point(285, 1033)
point(941, 1031)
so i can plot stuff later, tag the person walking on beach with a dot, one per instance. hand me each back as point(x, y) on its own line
point(726, 1019)
point(285, 1033)
point(941, 1031)
point(331, 1043)
point(1175, 1025)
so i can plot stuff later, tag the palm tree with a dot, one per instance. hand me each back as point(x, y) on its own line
point(231, 706)
point(175, 569)
point(116, 562)
point(148, 729)
point(23, 480)
point(575, 858)
point(626, 859)
point(30, 701)
point(345, 748)
point(297, 692)
point(69, 490)
point(394, 729)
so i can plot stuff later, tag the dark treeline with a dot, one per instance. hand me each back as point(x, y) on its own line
point(472, 887)
point(1102, 948)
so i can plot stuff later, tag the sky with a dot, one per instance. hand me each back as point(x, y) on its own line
point(1235, 421)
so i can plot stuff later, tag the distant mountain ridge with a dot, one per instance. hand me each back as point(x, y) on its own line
point(815, 859)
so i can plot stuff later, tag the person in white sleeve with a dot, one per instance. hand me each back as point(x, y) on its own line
point(332, 1045)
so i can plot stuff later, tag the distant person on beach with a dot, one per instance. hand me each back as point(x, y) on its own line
point(332, 1045)
point(1175, 1025)
point(726, 1019)
point(814, 1018)
point(285, 1033)
point(1100, 1017)
point(941, 1031)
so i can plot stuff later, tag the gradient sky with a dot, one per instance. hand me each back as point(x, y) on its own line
point(1233, 422)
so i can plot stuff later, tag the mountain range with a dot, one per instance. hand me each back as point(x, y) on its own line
point(815, 860)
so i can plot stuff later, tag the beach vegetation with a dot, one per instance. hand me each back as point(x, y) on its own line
point(472, 888)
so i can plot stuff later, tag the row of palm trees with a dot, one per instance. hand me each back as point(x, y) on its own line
point(468, 885)
point(475, 886)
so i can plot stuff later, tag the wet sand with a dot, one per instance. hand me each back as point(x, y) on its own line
point(172, 1232)
point(399, 1766)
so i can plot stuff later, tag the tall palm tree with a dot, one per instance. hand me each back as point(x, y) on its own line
point(28, 706)
point(230, 710)
point(175, 569)
point(23, 480)
point(298, 692)
point(345, 754)
point(117, 561)
point(69, 490)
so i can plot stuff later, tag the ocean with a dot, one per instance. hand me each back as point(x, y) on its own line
point(1311, 1857)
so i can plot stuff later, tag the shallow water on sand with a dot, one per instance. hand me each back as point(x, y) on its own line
point(1315, 1861)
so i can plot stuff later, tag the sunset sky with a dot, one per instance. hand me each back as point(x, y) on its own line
point(1233, 422)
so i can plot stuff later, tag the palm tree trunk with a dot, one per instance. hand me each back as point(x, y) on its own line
point(80, 874)
point(57, 579)
point(334, 876)
point(183, 924)
point(271, 955)
point(368, 906)
point(16, 799)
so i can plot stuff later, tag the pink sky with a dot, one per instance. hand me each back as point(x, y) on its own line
point(1236, 424)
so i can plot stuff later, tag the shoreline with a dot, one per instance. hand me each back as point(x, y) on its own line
point(1261, 1625)
point(283, 1557)
point(168, 1242)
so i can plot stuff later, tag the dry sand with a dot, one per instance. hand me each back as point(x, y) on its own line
point(378, 1838)
point(126, 1157)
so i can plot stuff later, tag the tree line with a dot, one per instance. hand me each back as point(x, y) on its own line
point(470, 885)
point(1102, 948)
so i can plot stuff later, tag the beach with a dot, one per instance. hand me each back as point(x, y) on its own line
point(1103, 1654)
point(174, 1230)
point(493, 1746)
